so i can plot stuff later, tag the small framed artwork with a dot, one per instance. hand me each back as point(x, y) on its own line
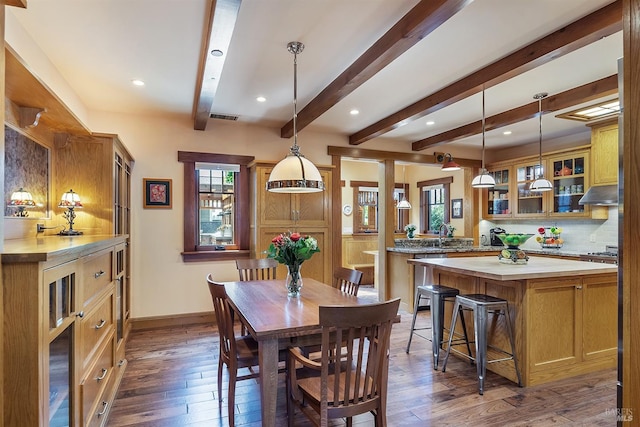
point(157, 193)
point(456, 208)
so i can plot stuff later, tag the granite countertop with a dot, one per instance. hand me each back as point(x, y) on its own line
point(536, 268)
point(444, 250)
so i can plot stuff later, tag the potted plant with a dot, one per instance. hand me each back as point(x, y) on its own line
point(410, 229)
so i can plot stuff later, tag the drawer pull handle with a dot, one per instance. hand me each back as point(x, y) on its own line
point(101, 324)
point(104, 409)
point(579, 287)
point(121, 362)
point(99, 273)
point(80, 314)
point(104, 374)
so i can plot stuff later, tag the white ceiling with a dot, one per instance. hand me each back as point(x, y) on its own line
point(101, 45)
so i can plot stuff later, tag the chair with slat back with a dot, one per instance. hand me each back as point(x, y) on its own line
point(347, 280)
point(355, 382)
point(256, 269)
point(236, 353)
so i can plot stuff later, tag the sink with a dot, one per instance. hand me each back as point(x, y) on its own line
point(435, 243)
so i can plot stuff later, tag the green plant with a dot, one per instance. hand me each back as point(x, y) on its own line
point(292, 249)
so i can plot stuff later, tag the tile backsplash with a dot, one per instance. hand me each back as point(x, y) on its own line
point(577, 234)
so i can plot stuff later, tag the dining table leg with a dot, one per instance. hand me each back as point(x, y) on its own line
point(268, 360)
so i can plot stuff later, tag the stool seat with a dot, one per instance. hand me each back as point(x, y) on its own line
point(437, 295)
point(482, 305)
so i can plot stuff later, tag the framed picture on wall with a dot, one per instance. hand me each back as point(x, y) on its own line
point(456, 208)
point(157, 193)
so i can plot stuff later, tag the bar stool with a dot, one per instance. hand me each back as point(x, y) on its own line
point(481, 305)
point(437, 295)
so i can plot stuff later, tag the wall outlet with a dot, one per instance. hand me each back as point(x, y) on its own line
point(592, 237)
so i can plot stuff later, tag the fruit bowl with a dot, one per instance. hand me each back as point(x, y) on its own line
point(513, 241)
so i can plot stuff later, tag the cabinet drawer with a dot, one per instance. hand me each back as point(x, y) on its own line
point(94, 327)
point(96, 275)
point(96, 384)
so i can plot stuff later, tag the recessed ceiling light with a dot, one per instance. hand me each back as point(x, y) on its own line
point(354, 112)
point(216, 52)
point(601, 110)
point(506, 132)
point(431, 123)
point(261, 99)
point(137, 82)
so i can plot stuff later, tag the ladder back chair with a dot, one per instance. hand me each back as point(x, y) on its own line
point(353, 366)
point(256, 269)
point(347, 280)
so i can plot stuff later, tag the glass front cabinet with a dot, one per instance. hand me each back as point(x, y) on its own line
point(498, 199)
point(570, 181)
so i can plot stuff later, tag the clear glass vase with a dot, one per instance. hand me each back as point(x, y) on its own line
point(293, 281)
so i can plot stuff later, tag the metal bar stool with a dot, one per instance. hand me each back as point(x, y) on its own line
point(437, 295)
point(481, 305)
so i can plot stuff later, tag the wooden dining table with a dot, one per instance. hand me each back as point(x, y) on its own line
point(277, 321)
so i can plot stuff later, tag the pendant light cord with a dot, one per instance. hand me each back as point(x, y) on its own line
point(483, 130)
point(539, 97)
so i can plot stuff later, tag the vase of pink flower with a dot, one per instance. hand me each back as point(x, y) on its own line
point(292, 249)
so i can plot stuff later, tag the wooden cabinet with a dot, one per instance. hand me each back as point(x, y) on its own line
point(604, 154)
point(576, 327)
point(568, 172)
point(59, 312)
point(497, 200)
point(307, 213)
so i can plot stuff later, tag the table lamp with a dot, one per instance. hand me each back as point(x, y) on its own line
point(70, 201)
point(21, 200)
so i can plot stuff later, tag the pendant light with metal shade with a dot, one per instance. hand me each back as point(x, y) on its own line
point(404, 203)
point(541, 183)
point(484, 180)
point(295, 174)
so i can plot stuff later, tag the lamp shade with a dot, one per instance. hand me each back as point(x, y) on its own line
point(404, 204)
point(449, 165)
point(70, 200)
point(21, 198)
point(541, 184)
point(295, 174)
point(484, 180)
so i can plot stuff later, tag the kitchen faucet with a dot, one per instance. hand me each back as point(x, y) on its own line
point(442, 226)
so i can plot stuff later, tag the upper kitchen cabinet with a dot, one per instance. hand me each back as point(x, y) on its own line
point(497, 200)
point(568, 171)
point(604, 153)
point(285, 209)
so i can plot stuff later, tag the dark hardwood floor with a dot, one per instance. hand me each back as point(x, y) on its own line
point(171, 381)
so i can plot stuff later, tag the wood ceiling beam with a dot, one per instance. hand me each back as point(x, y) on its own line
point(593, 27)
point(420, 21)
point(578, 95)
point(221, 20)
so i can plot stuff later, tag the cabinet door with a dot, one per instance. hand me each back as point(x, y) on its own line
point(318, 267)
point(600, 301)
point(570, 180)
point(498, 199)
point(275, 208)
point(554, 330)
point(313, 209)
point(529, 204)
point(604, 155)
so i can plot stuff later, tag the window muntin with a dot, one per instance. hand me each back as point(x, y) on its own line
point(216, 207)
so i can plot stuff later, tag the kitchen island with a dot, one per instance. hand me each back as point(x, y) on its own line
point(564, 311)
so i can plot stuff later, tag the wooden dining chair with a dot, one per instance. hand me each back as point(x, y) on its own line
point(355, 381)
point(235, 352)
point(347, 280)
point(256, 269)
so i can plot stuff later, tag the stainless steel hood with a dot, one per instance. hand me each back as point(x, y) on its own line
point(603, 195)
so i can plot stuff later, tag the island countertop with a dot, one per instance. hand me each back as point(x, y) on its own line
point(538, 267)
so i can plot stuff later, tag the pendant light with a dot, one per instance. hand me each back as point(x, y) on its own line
point(404, 203)
point(484, 180)
point(541, 183)
point(295, 174)
point(450, 165)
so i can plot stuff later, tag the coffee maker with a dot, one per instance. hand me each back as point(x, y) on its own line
point(495, 241)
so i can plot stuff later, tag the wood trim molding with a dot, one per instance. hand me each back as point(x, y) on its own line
point(380, 155)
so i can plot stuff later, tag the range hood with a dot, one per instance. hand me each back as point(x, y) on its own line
point(602, 195)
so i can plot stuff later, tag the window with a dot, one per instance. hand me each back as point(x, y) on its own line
point(365, 195)
point(434, 204)
point(216, 206)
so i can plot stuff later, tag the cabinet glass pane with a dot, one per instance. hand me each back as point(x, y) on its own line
point(498, 197)
point(568, 185)
point(60, 380)
point(216, 204)
point(60, 297)
point(529, 202)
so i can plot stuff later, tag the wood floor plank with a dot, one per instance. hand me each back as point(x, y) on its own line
point(171, 380)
